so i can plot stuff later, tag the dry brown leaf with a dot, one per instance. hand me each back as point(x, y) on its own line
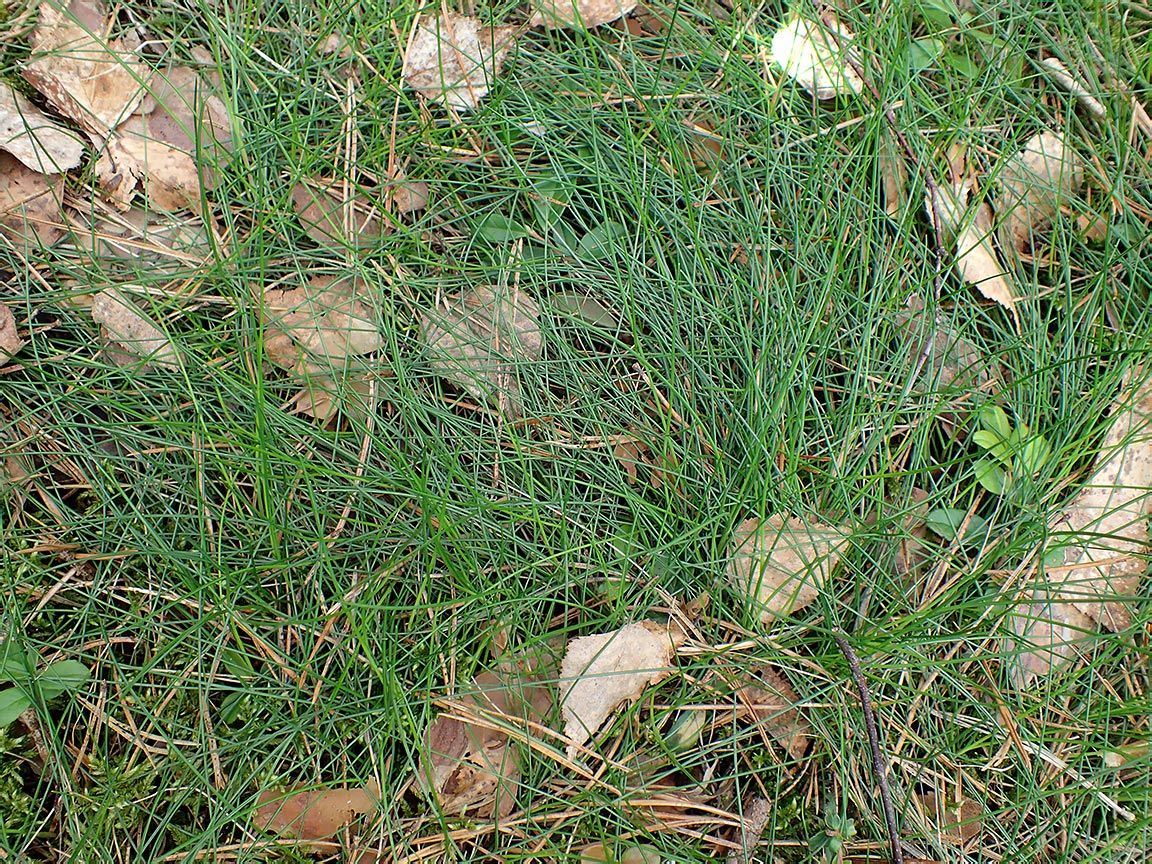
point(910, 555)
point(816, 55)
point(947, 360)
point(1033, 184)
point(454, 59)
point(601, 672)
point(86, 77)
point(316, 814)
point(468, 767)
point(779, 564)
point(477, 339)
point(957, 823)
point(127, 325)
point(174, 147)
point(404, 195)
point(322, 396)
point(893, 175)
point(579, 14)
point(333, 221)
point(159, 241)
point(38, 141)
point(977, 263)
point(30, 204)
point(319, 326)
point(769, 699)
point(10, 341)
point(1103, 532)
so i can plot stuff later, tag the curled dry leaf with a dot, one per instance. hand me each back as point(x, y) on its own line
point(779, 564)
point(470, 767)
point(601, 672)
point(134, 331)
point(1033, 184)
point(10, 341)
point(454, 59)
point(314, 814)
point(771, 701)
point(404, 195)
point(1104, 536)
point(580, 14)
point(158, 241)
point(319, 326)
point(956, 823)
point(30, 204)
point(39, 142)
point(175, 142)
point(477, 339)
point(815, 55)
point(893, 175)
point(977, 263)
point(86, 77)
point(333, 220)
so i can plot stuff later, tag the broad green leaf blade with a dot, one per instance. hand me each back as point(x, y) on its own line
point(995, 420)
point(13, 703)
point(498, 228)
point(990, 476)
point(601, 241)
point(62, 677)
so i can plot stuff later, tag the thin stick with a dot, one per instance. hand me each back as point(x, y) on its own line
point(879, 763)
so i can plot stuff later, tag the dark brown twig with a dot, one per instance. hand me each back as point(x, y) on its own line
point(879, 763)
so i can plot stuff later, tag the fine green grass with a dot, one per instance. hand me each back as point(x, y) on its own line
point(265, 600)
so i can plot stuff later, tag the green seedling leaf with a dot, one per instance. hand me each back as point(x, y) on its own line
point(1033, 456)
point(938, 14)
point(62, 677)
point(498, 228)
point(549, 199)
point(587, 309)
point(15, 665)
point(990, 475)
point(566, 238)
point(945, 522)
point(923, 53)
point(995, 420)
point(988, 440)
point(601, 241)
point(13, 703)
point(962, 64)
point(686, 730)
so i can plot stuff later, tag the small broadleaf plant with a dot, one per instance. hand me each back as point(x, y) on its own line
point(21, 670)
point(1011, 452)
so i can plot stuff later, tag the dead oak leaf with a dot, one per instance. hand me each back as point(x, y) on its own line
point(601, 672)
point(175, 147)
point(313, 814)
point(319, 326)
point(30, 204)
point(779, 564)
point(135, 332)
point(470, 767)
point(10, 341)
point(88, 78)
point(1033, 184)
point(333, 218)
point(38, 141)
point(477, 338)
point(977, 263)
point(454, 59)
point(1104, 535)
point(579, 14)
point(769, 698)
point(957, 822)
